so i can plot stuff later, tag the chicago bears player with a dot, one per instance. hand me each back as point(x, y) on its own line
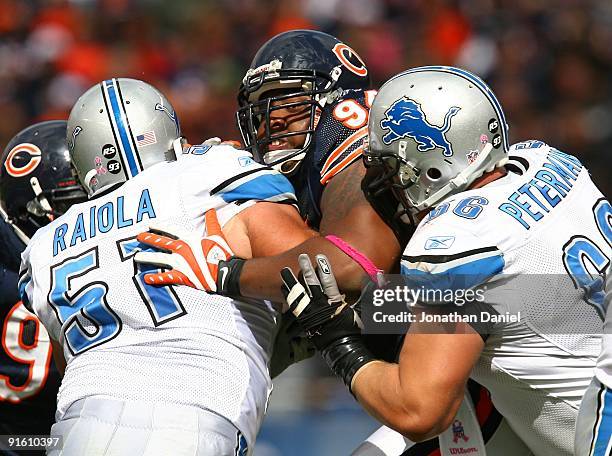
point(480, 223)
point(154, 371)
point(304, 110)
point(36, 185)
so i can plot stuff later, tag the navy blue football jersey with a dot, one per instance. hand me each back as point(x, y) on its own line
point(10, 247)
point(28, 378)
point(338, 142)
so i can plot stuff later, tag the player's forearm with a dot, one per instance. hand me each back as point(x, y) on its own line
point(403, 404)
point(259, 278)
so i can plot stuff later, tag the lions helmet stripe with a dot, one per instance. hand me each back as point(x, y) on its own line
point(121, 126)
point(479, 83)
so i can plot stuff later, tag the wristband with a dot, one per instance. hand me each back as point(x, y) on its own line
point(366, 264)
point(346, 356)
point(228, 277)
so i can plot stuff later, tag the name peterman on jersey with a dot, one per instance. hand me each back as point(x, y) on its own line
point(557, 175)
point(102, 219)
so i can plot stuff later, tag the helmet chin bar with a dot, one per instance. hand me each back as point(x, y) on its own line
point(289, 167)
point(285, 161)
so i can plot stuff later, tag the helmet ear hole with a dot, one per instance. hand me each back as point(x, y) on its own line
point(434, 173)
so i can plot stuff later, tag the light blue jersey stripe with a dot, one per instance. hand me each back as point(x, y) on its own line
point(259, 188)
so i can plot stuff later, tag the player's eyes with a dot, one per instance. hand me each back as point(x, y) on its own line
point(294, 109)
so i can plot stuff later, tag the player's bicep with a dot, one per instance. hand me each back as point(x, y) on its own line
point(274, 228)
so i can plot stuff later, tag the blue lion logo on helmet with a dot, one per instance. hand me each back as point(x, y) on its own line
point(406, 119)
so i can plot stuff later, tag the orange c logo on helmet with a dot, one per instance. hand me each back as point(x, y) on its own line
point(344, 53)
point(24, 150)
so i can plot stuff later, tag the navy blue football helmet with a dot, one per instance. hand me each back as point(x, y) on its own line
point(295, 63)
point(36, 180)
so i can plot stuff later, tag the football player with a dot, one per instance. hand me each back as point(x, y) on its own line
point(536, 238)
point(36, 185)
point(594, 428)
point(155, 371)
point(304, 106)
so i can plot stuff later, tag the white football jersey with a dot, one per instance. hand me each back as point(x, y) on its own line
point(127, 340)
point(603, 372)
point(535, 243)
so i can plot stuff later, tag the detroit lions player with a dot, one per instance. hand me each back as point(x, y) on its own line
point(438, 140)
point(154, 371)
point(594, 426)
point(36, 185)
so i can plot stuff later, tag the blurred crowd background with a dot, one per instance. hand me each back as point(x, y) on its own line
point(550, 64)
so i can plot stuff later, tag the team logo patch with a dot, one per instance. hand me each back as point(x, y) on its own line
point(350, 59)
point(458, 432)
point(406, 119)
point(439, 242)
point(22, 159)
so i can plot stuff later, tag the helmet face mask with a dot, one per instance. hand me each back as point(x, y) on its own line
point(250, 118)
point(435, 130)
point(118, 128)
point(37, 183)
point(307, 64)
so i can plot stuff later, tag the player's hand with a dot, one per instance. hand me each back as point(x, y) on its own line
point(191, 260)
point(317, 304)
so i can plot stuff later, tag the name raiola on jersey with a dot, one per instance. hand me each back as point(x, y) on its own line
point(102, 219)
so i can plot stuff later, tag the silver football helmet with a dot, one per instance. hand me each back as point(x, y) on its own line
point(118, 128)
point(432, 132)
